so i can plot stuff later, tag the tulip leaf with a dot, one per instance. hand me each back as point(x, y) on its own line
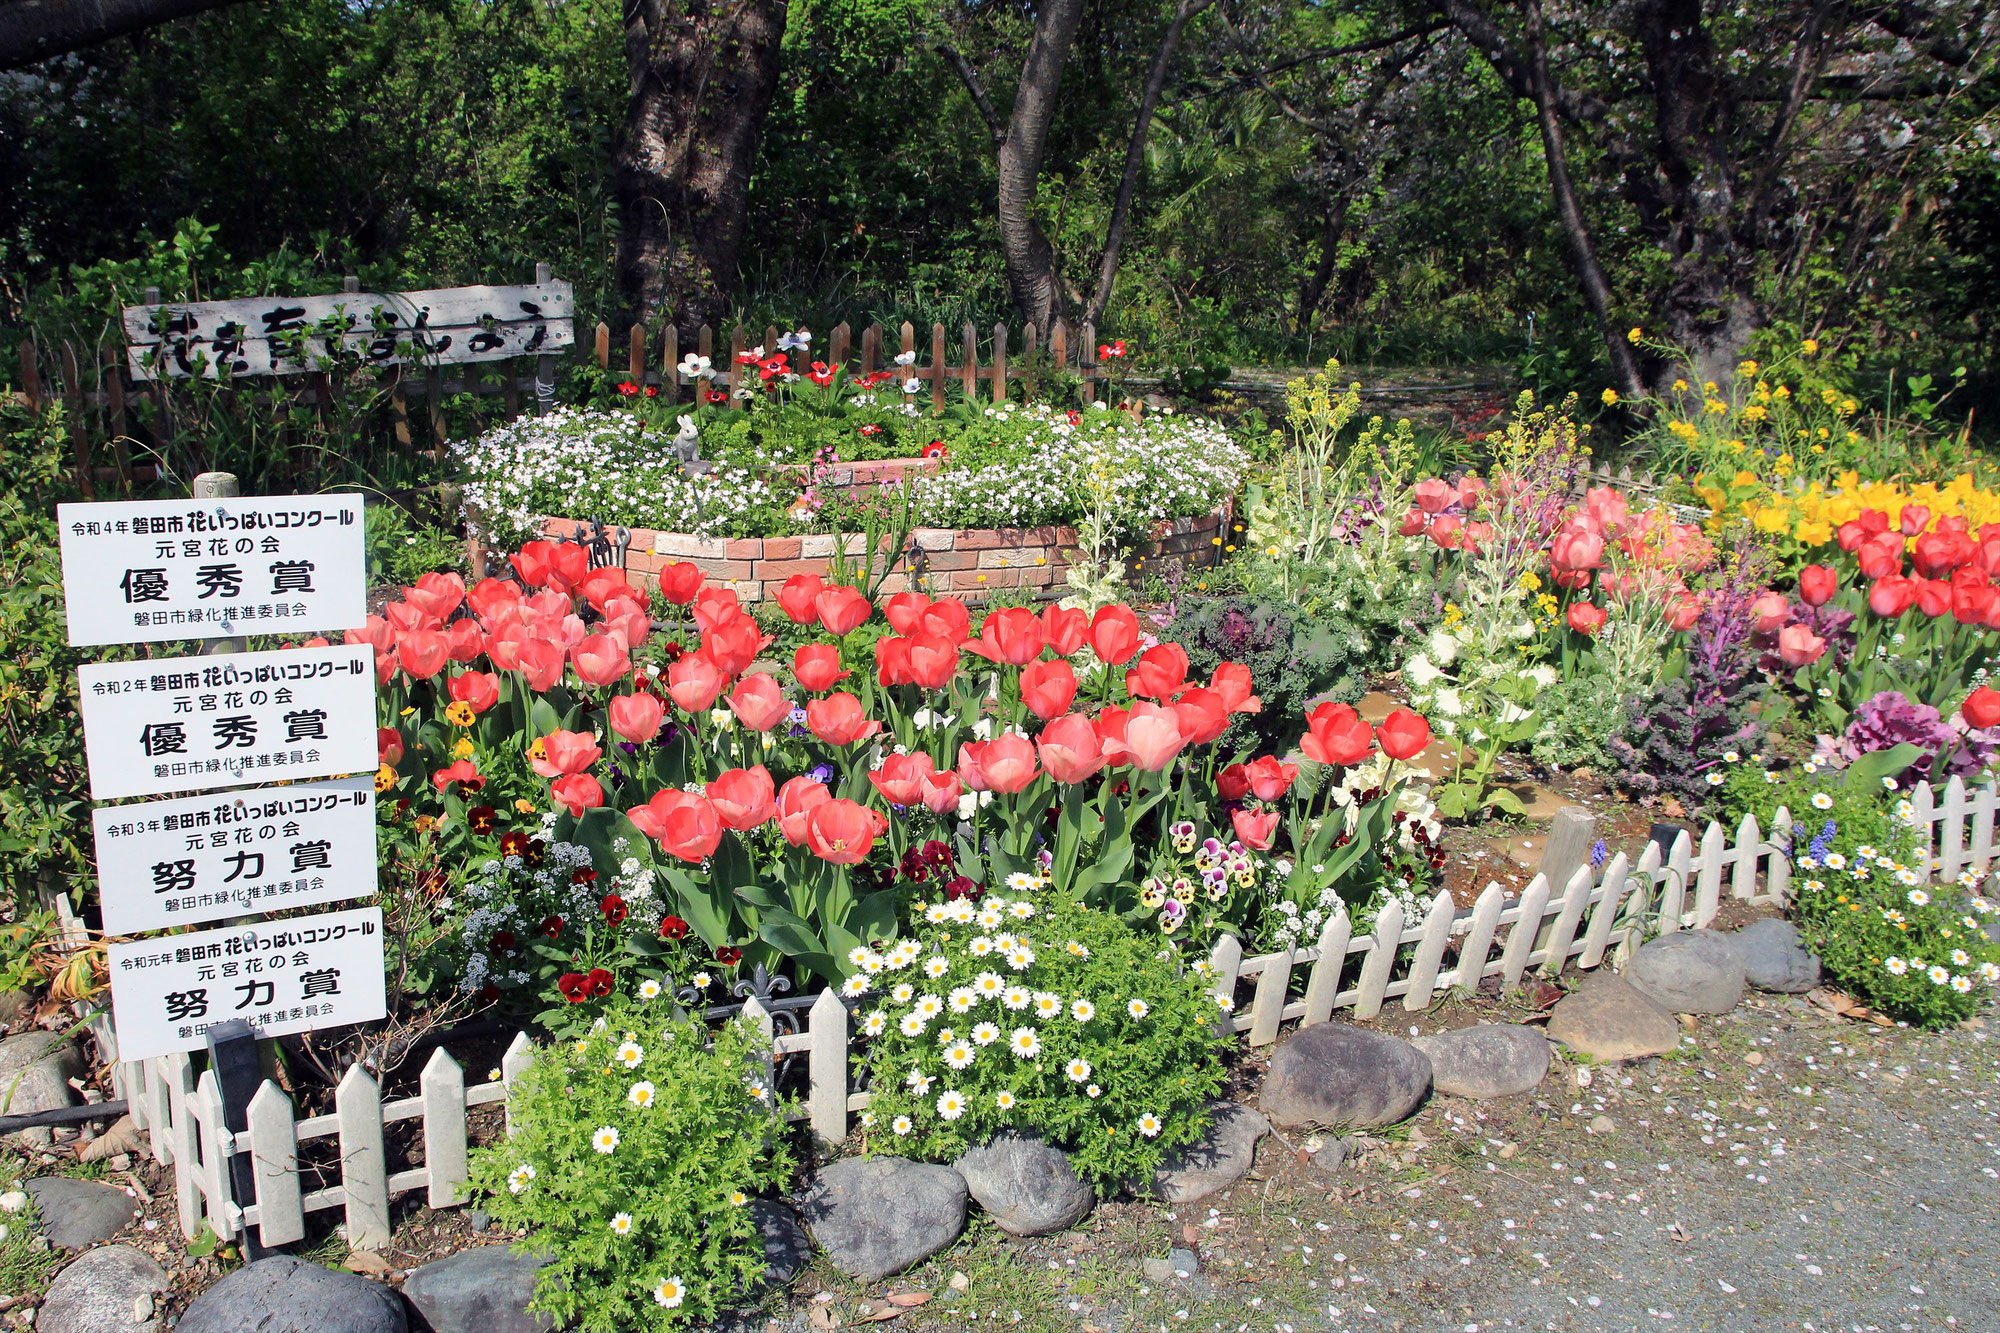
point(795, 940)
point(702, 906)
point(1870, 769)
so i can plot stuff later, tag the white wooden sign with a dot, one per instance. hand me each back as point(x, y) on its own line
point(206, 858)
point(189, 724)
point(150, 571)
point(288, 335)
point(295, 975)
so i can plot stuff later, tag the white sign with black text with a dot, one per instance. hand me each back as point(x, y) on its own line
point(196, 859)
point(196, 723)
point(296, 975)
point(153, 571)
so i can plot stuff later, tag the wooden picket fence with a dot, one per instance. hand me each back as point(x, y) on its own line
point(1599, 911)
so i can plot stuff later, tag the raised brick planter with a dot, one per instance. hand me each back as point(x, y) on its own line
point(966, 562)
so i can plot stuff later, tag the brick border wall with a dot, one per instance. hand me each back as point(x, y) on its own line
point(965, 562)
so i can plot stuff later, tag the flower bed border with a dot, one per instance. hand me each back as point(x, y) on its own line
point(965, 562)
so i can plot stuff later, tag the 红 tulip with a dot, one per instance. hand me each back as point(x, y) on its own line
point(842, 610)
point(1768, 612)
point(600, 660)
point(1012, 635)
point(1069, 748)
point(1586, 617)
point(817, 666)
point(531, 562)
point(843, 831)
point(758, 702)
point(1063, 629)
point(1114, 634)
point(1403, 734)
point(1160, 670)
point(902, 778)
point(1981, 708)
point(637, 717)
point(1233, 684)
point(795, 599)
point(1257, 828)
point(489, 595)
point(1004, 764)
point(1892, 595)
point(695, 682)
point(905, 611)
point(1152, 737)
point(1879, 555)
point(734, 643)
point(1914, 519)
point(577, 792)
point(463, 773)
point(601, 585)
point(1435, 495)
point(1799, 646)
point(797, 799)
point(478, 689)
point(683, 823)
point(1200, 715)
point(742, 797)
point(1335, 734)
point(1817, 585)
point(838, 719)
point(1233, 782)
point(1933, 596)
point(565, 752)
point(949, 619)
point(681, 583)
point(931, 660)
point(1048, 687)
point(389, 745)
point(542, 663)
point(713, 606)
point(464, 641)
point(1972, 597)
point(422, 653)
point(1270, 777)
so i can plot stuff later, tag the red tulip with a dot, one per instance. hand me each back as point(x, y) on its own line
point(477, 688)
point(1685, 612)
point(1233, 683)
point(1972, 599)
point(600, 660)
point(695, 682)
point(758, 702)
point(489, 595)
point(688, 826)
point(795, 599)
point(1586, 617)
point(464, 641)
point(902, 778)
point(1335, 734)
point(843, 831)
point(1048, 687)
point(422, 653)
point(949, 619)
point(734, 643)
point(600, 586)
point(568, 564)
point(637, 717)
point(1413, 524)
point(462, 773)
point(1981, 708)
point(1403, 734)
point(1933, 597)
point(1798, 646)
point(1914, 519)
point(932, 660)
point(1233, 782)
point(1161, 670)
point(714, 606)
point(1200, 715)
point(1892, 595)
point(1063, 629)
point(743, 798)
point(842, 610)
point(1069, 748)
point(1850, 535)
point(797, 799)
point(1004, 764)
point(1269, 777)
point(817, 666)
point(1257, 828)
point(905, 611)
point(1114, 634)
point(542, 663)
point(1435, 495)
point(1817, 585)
point(389, 745)
point(838, 719)
point(681, 583)
point(565, 752)
point(531, 562)
point(1880, 555)
point(1576, 551)
point(1012, 635)
point(577, 792)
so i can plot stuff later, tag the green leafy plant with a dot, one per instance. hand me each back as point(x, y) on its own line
point(1291, 657)
point(1005, 1014)
point(635, 1155)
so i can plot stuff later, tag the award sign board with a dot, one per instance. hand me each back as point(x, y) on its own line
point(196, 859)
point(295, 975)
point(196, 723)
point(154, 571)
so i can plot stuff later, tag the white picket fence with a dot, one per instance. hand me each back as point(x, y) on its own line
point(1597, 913)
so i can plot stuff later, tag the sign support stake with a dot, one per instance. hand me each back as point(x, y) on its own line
point(238, 1068)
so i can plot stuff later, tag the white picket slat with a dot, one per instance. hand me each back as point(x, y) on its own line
point(1521, 935)
point(514, 1063)
point(1555, 949)
point(445, 1163)
point(826, 1067)
point(1708, 875)
point(1430, 953)
point(1674, 883)
point(1478, 942)
point(274, 1158)
point(1267, 1006)
point(1388, 935)
point(205, 1106)
point(364, 1162)
point(1778, 874)
point(1324, 985)
point(1597, 935)
point(177, 1073)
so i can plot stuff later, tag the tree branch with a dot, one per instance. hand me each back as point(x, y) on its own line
point(1485, 34)
point(1918, 26)
point(36, 30)
point(969, 76)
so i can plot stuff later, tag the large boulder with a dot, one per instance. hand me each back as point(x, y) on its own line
point(35, 1070)
point(1607, 1019)
point(1489, 1060)
point(876, 1216)
point(1333, 1074)
point(1689, 972)
point(1775, 958)
point(1216, 1160)
point(1027, 1187)
point(108, 1290)
point(286, 1295)
point(481, 1290)
point(77, 1213)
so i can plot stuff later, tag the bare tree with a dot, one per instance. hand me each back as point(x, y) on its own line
point(703, 73)
point(35, 30)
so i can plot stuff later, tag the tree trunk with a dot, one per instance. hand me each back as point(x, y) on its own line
point(703, 73)
point(1030, 260)
point(1135, 157)
point(36, 30)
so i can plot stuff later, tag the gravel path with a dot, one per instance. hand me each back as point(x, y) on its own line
point(1785, 1170)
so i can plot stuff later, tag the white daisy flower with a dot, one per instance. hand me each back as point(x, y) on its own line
point(738, 1198)
point(936, 967)
point(649, 989)
point(1082, 1010)
point(1989, 971)
point(912, 1025)
point(868, 1120)
point(1025, 1043)
point(1821, 801)
point(919, 1082)
point(1939, 976)
point(605, 1140)
point(950, 1104)
point(989, 984)
point(621, 1224)
point(520, 1178)
point(1004, 1100)
point(1149, 1125)
point(962, 999)
point(640, 1095)
point(958, 1055)
point(855, 986)
point(1093, 1091)
point(1078, 1070)
point(1961, 984)
point(1017, 997)
point(1917, 896)
point(902, 993)
point(873, 1022)
point(1137, 1008)
point(1020, 957)
point(985, 1034)
point(630, 1054)
point(1835, 861)
point(1020, 881)
point(670, 1293)
point(1960, 958)
point(1896, 967)
point(1047, 1005)
point(901, 1125)
point(990, 916)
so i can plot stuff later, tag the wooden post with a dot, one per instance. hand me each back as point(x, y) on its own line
point(670, 364)
point(969, 373)
point(443, 1090)
point(1381, 957)
point(999, 364)
point(31, 374)
point(836, 346)
point(704, 345)
point(79, 441)
point(827, 1071)
point(1323, 986)
point(938, 371)
point(234, 1065)
point(635, 361)
point(111, 374)
point(1059, 346)
point(1086, 361)
point(602, 343)
point(871, 348)
point(1028, 364)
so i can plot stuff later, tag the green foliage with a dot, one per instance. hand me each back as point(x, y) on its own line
point(1292, 658)
point(1578, 716)
point(402, 547)
point(27, 1260)
point(633, 1156)
point(1058, 1021)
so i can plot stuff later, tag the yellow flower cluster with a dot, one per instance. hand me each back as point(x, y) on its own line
point(1812, 516)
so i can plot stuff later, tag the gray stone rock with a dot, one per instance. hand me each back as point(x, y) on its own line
point(481, 1290)
point(1775, 958)
point(108, 1290)
point(43, 1063)
point(876, 1216)
point(1186, 1263)
point(1027, 1187)
point(1607, 1019)
point(15, 1006)
point(1689, 972)
point(286, 1295)
point(1216, 1160)
point(76, 1213)
point(1333, 1074)
point(1156, 1268)
point(1490, 1060)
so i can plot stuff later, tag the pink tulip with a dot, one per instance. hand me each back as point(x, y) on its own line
point(600, 660)
point(1799, 646)
point(566, 752)
point(637, 717)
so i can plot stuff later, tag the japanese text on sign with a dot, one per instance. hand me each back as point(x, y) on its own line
point(279, 976)
point(203, 858)
point(194, 723)
point(150, 571)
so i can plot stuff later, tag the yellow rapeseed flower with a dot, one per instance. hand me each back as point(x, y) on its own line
point(1610, 396)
